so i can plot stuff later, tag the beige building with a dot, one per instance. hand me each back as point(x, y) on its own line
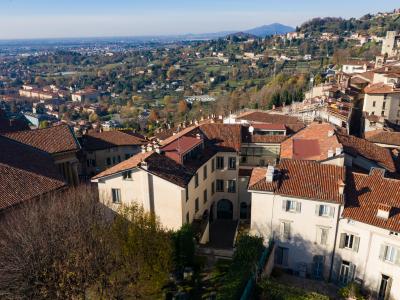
point(391, 44)
point(60, 142)
point(338, 227)
point(301, 215)
point(26, 173)
point(382, 96)
point(102, 150)
point(193, 175)
point(87, 94)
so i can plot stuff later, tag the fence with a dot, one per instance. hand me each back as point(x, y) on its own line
point(263, 263)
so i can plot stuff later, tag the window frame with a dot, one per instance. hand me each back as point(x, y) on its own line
point(218, 190)
point(220, 164)
point(116, 196)
point(230, 160)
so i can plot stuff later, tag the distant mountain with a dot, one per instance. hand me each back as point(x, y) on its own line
point(275, 28)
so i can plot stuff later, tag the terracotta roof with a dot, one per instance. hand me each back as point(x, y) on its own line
point(264, 117)
point(25, 173)
point(128, 164)
point(383, 137)
point(380, 88)
point(263, 139)
point(225, 137)
point(53, 140)
point(177, 135)
point(311, 143)
point(365, 194)
point(356, 146)
point(304, 179)
point(269, 126)
point(358, 80)
point(180, 147)
point(368, 76)
point(108, 139)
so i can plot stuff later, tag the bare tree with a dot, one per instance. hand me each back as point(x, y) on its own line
point(66, 246)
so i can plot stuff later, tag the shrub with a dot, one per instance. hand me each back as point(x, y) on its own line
point(244, 265)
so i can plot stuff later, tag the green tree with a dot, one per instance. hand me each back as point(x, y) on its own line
point(184, 247)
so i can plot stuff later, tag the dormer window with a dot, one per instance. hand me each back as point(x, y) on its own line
point(383, 211)
point(127, 175)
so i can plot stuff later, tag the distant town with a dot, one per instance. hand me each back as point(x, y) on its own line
point(251, 165)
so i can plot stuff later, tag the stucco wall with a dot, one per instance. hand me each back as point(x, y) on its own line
point(267, 216)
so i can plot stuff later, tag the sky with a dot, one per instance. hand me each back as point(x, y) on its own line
point(21, 19)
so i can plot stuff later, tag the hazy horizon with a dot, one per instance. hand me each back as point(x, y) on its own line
point(44, 19)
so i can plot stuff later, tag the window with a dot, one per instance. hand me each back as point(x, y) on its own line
point(196, 180)
point(196, 205)
point(389, 254)
point(220, 185)
point(324, 210)
point(127, 156)
point(231, 186)
point(347, 271)
point(114, 160)
point(385, 96)
point(205, 196)
point(127, 175)
point(318, 266)
point(285, 230)
point(291, 206)
point(187, 194)
point(383, 105)
point(220, 162)
point(373, 103)
point(384, 287)
point(213, 165)
point(205, 172)
point(212, 188)
point(119, 158)
point(108, 161)
point(382, 113)
point(116, 195)
point(282, 256)
point(349, 241)
point(322, 235)
point(232, 163)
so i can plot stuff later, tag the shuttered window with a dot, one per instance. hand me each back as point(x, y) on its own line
point(291, 206)
point(323, 210)
point(349, 241)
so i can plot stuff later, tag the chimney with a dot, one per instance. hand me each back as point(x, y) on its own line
point(342, 185)
point(330, 153)
point(269, 177)
point(339, 150)
point(143, 148)
point(143, 165)
point(157, 149)
point(383, 211)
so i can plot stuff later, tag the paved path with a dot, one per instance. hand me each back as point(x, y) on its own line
point(222, 234)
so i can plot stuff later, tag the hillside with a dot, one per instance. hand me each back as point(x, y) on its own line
point(371, 24)
point(275, 28)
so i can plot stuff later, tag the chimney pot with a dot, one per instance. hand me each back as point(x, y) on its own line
point(269, 177)
point(342, 185)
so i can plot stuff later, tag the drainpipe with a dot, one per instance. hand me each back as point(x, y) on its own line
point(334, 244)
